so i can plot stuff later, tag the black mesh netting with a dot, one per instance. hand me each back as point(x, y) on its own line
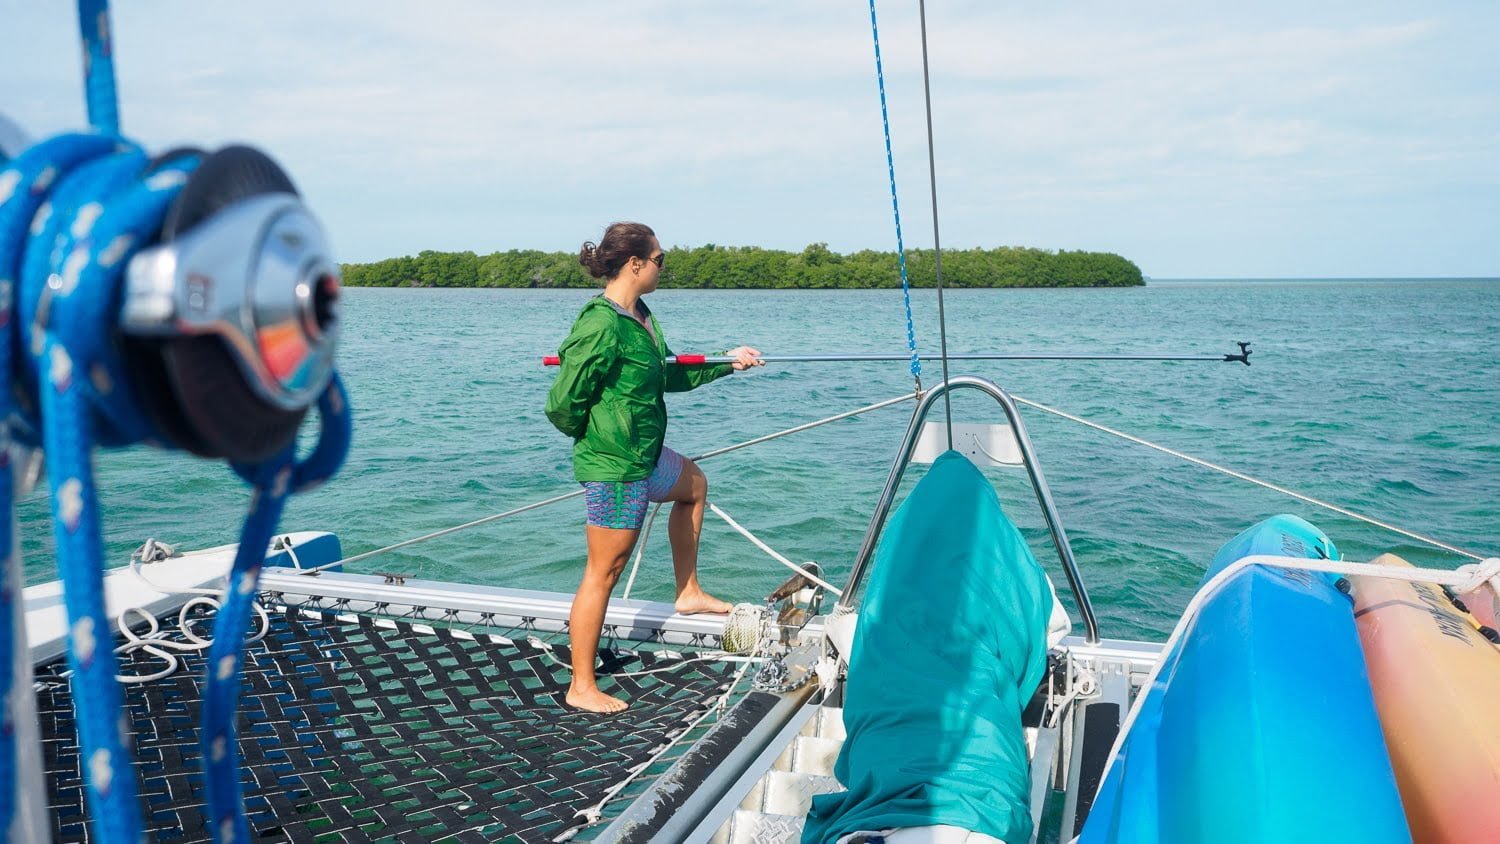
point(358, 730)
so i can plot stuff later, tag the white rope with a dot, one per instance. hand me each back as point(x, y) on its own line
point(1487, 571)
point(743, 629)
point(641, 547)
point(1461, 581)
point(137, 567)
point(291, 551)
point(777, 557)
point(1241, 476)
point(595, 813)
point(1084, 686)
point(640, 550)
point(154, 640)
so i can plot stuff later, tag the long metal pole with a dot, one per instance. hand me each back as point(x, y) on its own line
point(706, 360)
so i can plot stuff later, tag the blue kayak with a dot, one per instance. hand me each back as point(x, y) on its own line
point(1261, 726)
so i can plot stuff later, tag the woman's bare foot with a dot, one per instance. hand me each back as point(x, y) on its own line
point(698, 601)
point(594, 700)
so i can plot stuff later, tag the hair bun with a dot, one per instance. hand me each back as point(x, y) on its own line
point(620, 243)
point(588, 256)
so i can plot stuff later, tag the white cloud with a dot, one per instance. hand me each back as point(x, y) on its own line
point(485, 126)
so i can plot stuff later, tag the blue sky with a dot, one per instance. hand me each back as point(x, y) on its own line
point(1198, 139)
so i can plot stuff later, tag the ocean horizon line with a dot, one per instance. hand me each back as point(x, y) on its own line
point(1314, 278)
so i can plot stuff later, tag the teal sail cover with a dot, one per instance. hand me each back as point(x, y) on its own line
point(951, 643)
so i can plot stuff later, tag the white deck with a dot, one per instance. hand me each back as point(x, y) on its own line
point(163, 586)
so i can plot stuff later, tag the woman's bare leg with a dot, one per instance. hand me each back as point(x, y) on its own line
point(690, 497)
point(609, 548)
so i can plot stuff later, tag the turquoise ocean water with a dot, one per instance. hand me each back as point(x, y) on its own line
point(1381, 396)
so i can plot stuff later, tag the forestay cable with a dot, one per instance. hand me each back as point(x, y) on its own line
point(937, 243)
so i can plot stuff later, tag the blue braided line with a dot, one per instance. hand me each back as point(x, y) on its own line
point(101, 213)
point(37, 192)
point(98, 66)
point(73, 210)
point(19, 198)
point(890, 162)
point(218, 738)
point(273, 480)
point(76, 206)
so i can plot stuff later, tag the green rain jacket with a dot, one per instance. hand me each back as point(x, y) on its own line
point(608, 395)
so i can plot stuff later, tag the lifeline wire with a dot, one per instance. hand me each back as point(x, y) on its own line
point(898, 400)
point(1241, 476)
point(565, 496)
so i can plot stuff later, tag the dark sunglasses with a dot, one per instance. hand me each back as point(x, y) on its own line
point(659, 259)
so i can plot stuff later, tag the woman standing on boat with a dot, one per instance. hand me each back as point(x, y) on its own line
point(608, 397)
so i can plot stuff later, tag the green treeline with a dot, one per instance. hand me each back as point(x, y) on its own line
point(714, 267)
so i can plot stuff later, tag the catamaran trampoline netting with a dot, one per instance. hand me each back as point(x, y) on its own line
point(360, 728)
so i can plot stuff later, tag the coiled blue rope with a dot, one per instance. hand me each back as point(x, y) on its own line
point(890, 163)
point(73, 209)
point(42, 235)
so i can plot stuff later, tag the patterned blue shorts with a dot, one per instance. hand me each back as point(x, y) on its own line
point(622, 504)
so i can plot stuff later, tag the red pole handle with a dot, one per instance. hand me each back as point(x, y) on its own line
point(551, 360)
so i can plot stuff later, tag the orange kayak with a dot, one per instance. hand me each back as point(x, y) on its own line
point(1437, 691)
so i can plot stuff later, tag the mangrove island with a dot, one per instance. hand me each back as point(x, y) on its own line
point(713, 267)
